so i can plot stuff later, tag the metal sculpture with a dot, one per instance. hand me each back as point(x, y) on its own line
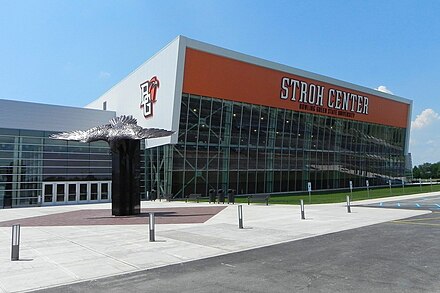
point(123, 135)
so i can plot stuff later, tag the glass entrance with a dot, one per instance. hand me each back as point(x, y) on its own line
point(93, 191)
point(61, 192)
point(83, 192)
point(72, 192)
point(104, 191)
point(47, 193)
point(76, 192)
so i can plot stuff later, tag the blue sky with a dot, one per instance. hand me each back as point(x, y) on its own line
point(71, 52)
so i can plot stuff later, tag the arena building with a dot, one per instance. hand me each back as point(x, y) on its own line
point(240, 123)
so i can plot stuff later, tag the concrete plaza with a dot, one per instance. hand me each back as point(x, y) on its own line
point(57, 255)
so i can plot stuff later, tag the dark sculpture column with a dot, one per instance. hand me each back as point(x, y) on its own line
point(125, 177)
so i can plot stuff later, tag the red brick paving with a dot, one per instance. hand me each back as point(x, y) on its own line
point(187, 215)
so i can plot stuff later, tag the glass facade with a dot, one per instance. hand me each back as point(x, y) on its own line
point(30, 160)
point(221, 145)
point(256, 149)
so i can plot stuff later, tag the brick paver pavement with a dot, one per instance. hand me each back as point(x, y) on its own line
point(175, 215)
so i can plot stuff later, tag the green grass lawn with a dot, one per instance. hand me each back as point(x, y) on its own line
point(340, 196)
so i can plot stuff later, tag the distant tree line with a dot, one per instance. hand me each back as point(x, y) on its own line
point(427, 170)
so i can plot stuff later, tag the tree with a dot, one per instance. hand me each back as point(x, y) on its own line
point(427, 170)
point(416, 172)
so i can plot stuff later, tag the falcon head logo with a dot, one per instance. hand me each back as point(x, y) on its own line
point(148, 95)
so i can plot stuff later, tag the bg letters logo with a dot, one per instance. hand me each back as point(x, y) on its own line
point(148, 96)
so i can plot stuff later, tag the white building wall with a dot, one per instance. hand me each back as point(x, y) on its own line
point(125, 97)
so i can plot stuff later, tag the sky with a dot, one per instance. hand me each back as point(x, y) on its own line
point(69, 53)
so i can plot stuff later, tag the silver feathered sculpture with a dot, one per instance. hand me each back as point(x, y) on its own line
point(122, 127)
point(122, 134)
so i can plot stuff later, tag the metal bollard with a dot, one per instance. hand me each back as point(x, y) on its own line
point(15, 251)
point(303, 216)
point(240, 216)
point(348, 204)
point(368, 187)
point(152, 224)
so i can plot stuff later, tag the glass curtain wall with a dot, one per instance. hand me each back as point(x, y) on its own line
point(256, 149)
point(28, 158)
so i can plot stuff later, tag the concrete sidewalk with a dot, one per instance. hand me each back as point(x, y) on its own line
point(51, 256)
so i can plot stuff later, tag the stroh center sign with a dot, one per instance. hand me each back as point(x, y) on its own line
point(317, 98)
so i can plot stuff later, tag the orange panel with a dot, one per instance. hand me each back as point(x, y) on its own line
point(216, 76)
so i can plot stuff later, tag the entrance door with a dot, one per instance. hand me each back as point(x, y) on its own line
point(48, 193)
point(72, 190)
point(93, 191)
point(105, 191)
point(61, 192)
point(83, 192)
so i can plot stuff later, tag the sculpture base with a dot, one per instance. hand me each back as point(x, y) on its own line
point(125, 177)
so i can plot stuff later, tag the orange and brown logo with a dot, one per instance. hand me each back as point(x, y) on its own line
point(148, 95)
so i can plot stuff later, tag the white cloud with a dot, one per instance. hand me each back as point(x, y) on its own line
point(425, 138)
point(384, 89)
point(427, 117)
point(427, 151)
point(104, 75)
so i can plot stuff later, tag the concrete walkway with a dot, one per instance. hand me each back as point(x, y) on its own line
point(56, 255)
